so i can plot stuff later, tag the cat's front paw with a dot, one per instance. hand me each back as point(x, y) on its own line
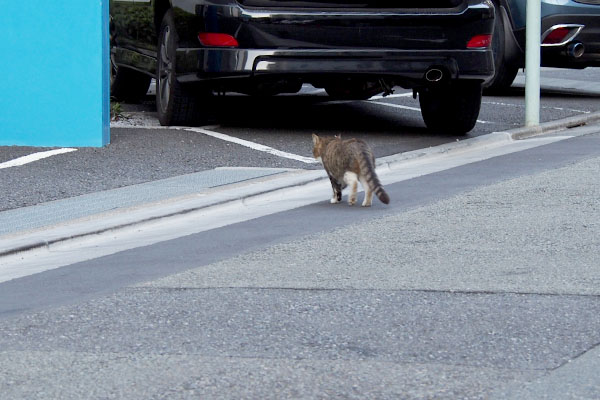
point(334, 200)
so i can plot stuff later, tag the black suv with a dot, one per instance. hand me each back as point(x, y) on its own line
point(353, 49)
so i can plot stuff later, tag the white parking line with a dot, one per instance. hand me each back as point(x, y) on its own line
point(495, 103)
point(252, 145)
point(395, 105)
point(391, 96)
point(34, 157)
point(413, 109)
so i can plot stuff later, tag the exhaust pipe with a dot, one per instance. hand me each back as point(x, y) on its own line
point(575, 50)
point(434, 75)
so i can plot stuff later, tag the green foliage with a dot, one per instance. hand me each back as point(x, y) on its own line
point(116, 111)
point(136, 20)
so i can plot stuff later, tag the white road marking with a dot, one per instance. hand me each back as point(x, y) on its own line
point(381, 103)
point(413, 109)
point(34, 157)
point(313, 91)
point(253, 145)
point(495, 103)
point(391, 96)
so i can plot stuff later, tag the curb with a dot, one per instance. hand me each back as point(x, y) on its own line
point(146, 212)
point(554, 126)
point(241, 191)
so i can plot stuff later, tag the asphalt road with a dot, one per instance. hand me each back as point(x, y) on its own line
point(479, 281)
point(391, 125)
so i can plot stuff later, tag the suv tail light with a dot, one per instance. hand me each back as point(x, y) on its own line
point(479, 42)
point(217, 40)
point(558, 35)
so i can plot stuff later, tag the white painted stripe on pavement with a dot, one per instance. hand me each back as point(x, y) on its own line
point(377, 97)
point(253, 145)
point(381, 103)
point(413, 109)
point(495, 103)
point(34, 157)
point(391, 96)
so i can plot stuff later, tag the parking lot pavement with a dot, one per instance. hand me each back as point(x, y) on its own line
point(140, 155)
point(141, 151)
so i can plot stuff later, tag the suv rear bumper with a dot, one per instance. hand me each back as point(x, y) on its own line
point(399, 43)
point(208, 64)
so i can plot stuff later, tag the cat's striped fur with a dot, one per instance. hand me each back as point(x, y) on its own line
point(347, 162)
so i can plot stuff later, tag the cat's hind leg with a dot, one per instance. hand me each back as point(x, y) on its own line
point(368, 193)
point(351, 179)
point(337, 191)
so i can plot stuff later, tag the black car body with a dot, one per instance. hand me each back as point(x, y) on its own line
point(352, 48)
point(570, 36)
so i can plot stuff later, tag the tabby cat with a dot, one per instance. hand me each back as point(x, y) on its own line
point(347, 162)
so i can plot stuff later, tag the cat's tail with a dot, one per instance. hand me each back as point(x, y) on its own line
point(382, 194)
point(372, 178)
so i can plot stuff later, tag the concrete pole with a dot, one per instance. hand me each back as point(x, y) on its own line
point(532, 63)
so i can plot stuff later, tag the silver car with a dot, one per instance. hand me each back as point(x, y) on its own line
point(570, 37)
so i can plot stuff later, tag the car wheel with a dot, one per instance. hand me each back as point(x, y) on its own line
point(452, 108)
point(127, 85)
point(175, 103)
point(505, 73)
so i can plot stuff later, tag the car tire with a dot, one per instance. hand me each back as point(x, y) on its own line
point(451, 109)
point(176, 104)
point(128, 85)
point(505, 73)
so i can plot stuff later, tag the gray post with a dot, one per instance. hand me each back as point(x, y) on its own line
point(532, 63)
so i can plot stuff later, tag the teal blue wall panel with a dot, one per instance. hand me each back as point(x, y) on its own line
point(54, 74)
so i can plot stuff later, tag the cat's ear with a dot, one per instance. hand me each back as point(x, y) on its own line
point(315, 139)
